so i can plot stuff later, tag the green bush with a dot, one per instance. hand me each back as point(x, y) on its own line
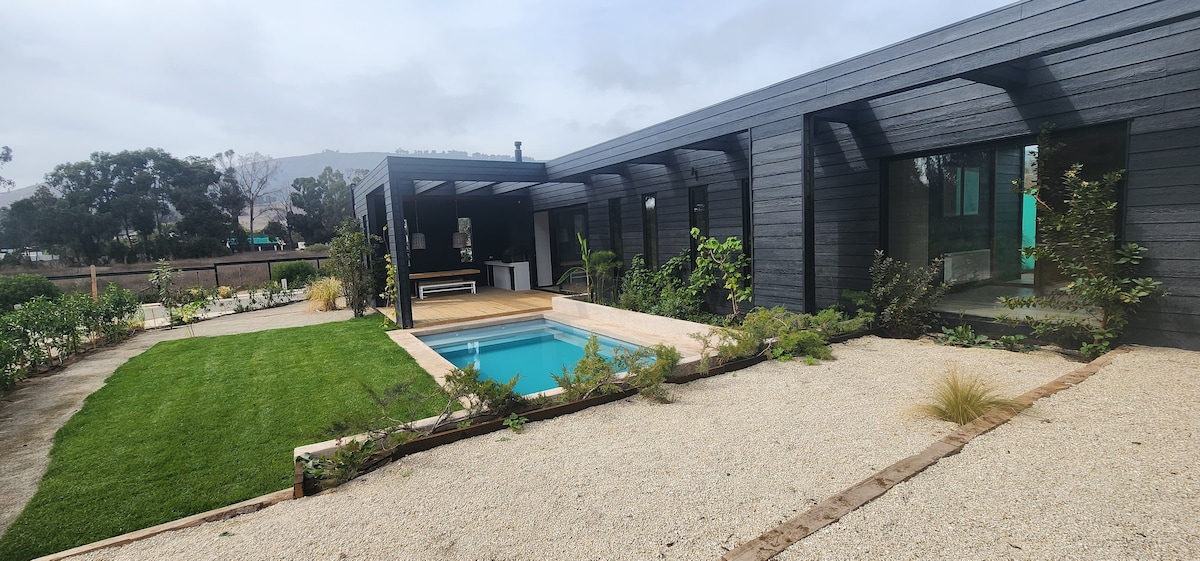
point(1078, 235)
point(21, 288)
point(904, 295)
point(297, 273)
point(483, 394)
point(647, 376)
point(663, 291)
point(592, 375)
point(44, 329)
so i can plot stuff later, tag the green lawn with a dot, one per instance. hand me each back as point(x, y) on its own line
point(200, 423)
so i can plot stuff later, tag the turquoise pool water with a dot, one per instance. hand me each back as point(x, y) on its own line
point(534, 349)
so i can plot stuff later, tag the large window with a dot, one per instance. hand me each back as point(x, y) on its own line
point(614, 229)
point(649, 231)
point(568, 225)
point(965, 206)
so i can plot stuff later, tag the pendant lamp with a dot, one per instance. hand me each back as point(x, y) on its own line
point(459, 239)
point(417, 239)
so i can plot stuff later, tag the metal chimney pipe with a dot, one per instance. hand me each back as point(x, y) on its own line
point(517, 153)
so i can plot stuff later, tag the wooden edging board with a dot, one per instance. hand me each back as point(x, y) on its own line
point(244, 507)
point(831, 510)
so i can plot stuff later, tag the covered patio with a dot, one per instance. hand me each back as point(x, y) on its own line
point(463, 230)
point(489, 302)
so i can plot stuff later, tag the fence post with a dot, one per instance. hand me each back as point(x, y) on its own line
point(95, 292)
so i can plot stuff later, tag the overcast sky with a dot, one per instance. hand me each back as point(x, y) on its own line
point(291, 77)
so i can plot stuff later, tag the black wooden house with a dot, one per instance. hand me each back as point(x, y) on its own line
point(911, 148)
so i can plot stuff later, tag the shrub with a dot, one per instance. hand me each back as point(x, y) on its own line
point(963, 336)
point(727, 259)
point(904, 295)
point(592, 375)
point(787, 334)
point(297, 273)
point(347, 261)
point(317, 248)
point(961, 399)
point(21, 288)
point(482, 394)
point(1079, 236)
point(323, 293)
point(662, 291)
point(647, 376)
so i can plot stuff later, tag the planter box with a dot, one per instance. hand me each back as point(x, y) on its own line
point(306, 487)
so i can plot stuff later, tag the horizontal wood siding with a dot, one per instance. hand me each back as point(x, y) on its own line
point(1150, 80)
point(778, 215)
point(721, 172)
point(1021, 30)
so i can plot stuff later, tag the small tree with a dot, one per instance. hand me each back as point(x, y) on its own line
point(598, 266)
point(727, 259)
point(348, 260)
point(1079, 237)
point(903, 295)
point(162, 278)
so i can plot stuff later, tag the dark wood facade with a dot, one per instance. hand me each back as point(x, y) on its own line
point(800, 167)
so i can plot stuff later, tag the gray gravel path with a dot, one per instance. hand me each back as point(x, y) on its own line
point(734, 456)
point(1105, 470)
point(32, 412)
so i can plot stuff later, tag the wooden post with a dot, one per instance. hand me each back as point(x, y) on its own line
point(95, 292)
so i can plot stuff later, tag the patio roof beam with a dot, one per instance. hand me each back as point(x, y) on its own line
point(847, 114)
point(510, 186)
point(427, 185)
point(464, 187)
point(725, 143)
point(1004, 76)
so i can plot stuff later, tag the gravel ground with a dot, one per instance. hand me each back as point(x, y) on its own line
point(1105, 470)
point(733, 457)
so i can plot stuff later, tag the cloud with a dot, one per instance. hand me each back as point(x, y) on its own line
point(287, 78)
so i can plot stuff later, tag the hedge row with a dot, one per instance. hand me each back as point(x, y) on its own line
point(44, 331)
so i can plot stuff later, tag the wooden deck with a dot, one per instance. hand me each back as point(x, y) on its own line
point(453, 307)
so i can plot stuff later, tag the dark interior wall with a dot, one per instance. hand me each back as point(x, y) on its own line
point(722, 173)
point(500, 224)
point(1151, 79)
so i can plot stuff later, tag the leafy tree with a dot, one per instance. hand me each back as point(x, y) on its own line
point(159, 205)
point(348, 260)
point(128, 193)
point(325, 202)
point(203, 228)
point(226, 193)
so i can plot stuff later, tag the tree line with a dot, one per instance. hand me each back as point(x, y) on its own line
point(145, 205)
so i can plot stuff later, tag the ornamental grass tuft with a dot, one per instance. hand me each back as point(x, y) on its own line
point(962, 398)
point(323, 294)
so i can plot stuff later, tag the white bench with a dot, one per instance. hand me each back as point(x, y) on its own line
point(424, 288)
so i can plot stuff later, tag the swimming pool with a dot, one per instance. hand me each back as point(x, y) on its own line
point(533, 348)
